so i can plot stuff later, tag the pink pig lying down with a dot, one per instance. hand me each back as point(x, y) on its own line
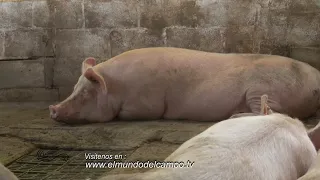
point(174, 83)
point(263, 147)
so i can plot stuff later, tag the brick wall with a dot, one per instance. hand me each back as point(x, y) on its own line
point(43, 42)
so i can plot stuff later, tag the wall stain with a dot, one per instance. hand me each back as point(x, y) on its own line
point(189, 14)
point(155, 23)
point(167, 14)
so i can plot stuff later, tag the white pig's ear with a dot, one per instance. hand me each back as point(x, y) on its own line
point(314, 135)
point(95, 77)
point(87, 63)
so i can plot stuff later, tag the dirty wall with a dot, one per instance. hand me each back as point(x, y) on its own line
point(43, 42)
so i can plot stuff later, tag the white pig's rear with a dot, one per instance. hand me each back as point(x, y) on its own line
point(271, 147)
point(6, 174)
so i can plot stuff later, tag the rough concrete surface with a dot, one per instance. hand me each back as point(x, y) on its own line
point(1, 44)
point(42, 131)
point(309, 55)
point(82, 43)
point(298, 35)
point(196, 38)
point(25, 126)
point(16, 14)
point(43, 14)
point(28, 43)
point(13, 148)
point(111, 14)
point(128, 39)
point(27, 73)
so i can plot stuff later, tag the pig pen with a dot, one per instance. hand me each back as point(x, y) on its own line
point(35, 147)
point(43, 43)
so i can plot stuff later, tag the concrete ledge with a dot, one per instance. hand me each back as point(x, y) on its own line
point(28, 94)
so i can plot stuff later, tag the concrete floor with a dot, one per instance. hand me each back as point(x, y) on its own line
point(25, 127)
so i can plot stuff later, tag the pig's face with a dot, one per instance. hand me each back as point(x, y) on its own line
point(88, 101)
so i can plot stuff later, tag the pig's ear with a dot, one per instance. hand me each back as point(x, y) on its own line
point(314, 135)
point(87, 63)
point(95, 77)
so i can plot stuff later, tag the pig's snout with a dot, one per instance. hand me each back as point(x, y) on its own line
point(53, 112)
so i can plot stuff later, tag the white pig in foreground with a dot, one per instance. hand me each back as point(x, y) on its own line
point(314, 171)
point(6, 174)
point(263, 147)
point(174, 83)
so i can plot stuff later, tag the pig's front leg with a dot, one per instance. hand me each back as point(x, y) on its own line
point(264, 109)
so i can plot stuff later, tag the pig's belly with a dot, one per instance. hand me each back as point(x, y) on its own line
point(210, 106)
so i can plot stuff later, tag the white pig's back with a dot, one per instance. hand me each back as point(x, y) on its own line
point(272, 147)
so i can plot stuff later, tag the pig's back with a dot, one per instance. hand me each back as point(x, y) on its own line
point(186, 81)
point(173, 62)
point(187, 84)
point(251, 148)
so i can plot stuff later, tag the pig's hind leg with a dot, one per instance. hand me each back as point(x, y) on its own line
point(264, 109)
